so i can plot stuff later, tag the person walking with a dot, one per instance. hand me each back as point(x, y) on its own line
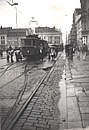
point(8, 55)
point(53, 53)
point(12, 52)
point(49, 53)
point(84, 51)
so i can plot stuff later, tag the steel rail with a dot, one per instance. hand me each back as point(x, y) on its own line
point(8, 68)
point(12, 119)
point(4, 85)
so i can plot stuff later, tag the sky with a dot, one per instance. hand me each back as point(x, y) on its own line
point(50, 13)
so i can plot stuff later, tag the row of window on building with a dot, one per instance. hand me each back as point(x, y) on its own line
point(8, 36)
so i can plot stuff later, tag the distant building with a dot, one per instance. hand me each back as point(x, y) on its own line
point(72, 37)
point(52, 35)
point(9, 36)
point(85, 21)
point(81, 22)
point(78, 25)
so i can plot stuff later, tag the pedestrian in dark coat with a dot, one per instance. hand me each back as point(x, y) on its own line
point(84, 51)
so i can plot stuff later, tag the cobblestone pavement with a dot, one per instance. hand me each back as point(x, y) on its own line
point(63, 103)
point(43, 112)
point(9, 88)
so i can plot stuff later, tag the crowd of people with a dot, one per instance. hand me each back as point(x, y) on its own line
point(80, 51)
point(16, 54)
point(11, 52)
point(52, 53)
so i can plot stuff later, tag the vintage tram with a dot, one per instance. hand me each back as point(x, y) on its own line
point(33, 47)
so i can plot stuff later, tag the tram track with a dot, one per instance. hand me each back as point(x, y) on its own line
point(8, 68)
point(20, 92)
point(23, 73)
point(7, 65)
point(14, 118)
point(20, 106)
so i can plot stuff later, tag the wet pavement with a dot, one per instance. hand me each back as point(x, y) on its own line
point(42, 113)
point(77, 94)
point(9, 91)
point(64, 102)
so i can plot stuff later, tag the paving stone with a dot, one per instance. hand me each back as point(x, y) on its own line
point(28, 123)
point(63, 126)
point(85, 116)
point(42, 125)
point(23, 117)
point(36, 112)
point(84, 109)
point(36, 115)
point(86, 99)
point(86, 123)
point(85, 80)
point(16, 128)
point(70, 92)
point(83, 104)
point(32, 118)
point(53, 122)
point(83, 85)
point(19, 125)
point(54, 127)
point(21, 121)
point(72, 125)
point(29, 128)
point(44, 122)
point(80, 94)
point(72, 104)
point(32, 121)
point(38, 128)
point(73, 116)
point(69, 85)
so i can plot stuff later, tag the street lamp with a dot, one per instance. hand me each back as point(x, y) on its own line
point(14, 4)
point(66, 41)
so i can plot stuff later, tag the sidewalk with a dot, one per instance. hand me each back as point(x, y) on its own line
point(77, 94)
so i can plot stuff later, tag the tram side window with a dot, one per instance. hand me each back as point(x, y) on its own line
point(31, 43)
point(34, 43)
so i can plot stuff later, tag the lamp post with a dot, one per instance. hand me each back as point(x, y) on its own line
point(66, 38)
point(14, 4)
point(16, 18)
point(66, 41)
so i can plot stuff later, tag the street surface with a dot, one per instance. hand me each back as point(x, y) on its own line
point(12, 80)
point(61, 103)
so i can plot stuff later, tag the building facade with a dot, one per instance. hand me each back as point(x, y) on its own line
point(51, 35)
point(78, 24)
point(85, 21)
point(9, 36)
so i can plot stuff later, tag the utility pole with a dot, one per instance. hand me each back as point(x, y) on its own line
point(14, 4)
point(16, 18)
point(66, 38)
